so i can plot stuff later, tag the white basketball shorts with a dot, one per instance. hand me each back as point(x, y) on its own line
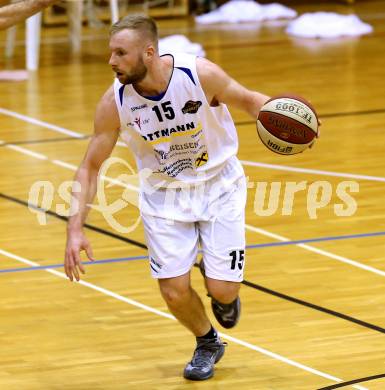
point(215, 225)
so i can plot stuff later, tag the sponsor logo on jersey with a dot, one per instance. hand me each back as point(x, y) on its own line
point(161, 155)
point(202, 159)
point(191, 107)
point(137, 122)
point(138, 107)
point(168, 132)
point(176, 167)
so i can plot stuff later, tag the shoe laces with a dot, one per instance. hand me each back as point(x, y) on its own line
point(204, 352)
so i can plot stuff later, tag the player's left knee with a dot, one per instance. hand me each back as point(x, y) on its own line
point(223, 291)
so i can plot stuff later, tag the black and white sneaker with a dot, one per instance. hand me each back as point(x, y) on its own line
point(227, 314)
point(206, 354)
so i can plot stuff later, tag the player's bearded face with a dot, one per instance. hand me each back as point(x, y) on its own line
point(136, 74)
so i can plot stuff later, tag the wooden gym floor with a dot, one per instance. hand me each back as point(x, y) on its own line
point(313, 311)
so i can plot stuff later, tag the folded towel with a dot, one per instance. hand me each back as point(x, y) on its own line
point(327, 25)
point(179, 43)
point(13, 75)
point(236, 11)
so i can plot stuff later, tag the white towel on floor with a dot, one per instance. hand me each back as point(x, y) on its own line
point(327, 25)
point(180, 44)
point(13, 75)
point(236, 11)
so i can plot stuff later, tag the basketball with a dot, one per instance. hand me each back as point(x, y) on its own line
point(287, 124)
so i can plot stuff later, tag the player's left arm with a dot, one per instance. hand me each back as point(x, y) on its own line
point(219, 87)
point(12, 14)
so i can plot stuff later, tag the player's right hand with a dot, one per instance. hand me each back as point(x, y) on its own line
point(76, 242)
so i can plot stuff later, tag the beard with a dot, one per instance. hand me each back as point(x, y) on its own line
point(137, 74)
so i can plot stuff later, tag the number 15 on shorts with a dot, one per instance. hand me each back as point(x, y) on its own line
point(237, 259)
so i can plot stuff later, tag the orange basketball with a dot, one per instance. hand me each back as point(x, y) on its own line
point(287, 124)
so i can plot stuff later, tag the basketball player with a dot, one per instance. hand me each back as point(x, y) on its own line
point(171, 111)
point(12, 14)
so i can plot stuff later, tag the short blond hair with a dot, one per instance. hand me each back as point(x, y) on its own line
point(138, 22)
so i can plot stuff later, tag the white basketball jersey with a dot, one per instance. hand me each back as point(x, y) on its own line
point(177, 134)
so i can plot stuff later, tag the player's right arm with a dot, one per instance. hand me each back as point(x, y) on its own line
point(105, 135)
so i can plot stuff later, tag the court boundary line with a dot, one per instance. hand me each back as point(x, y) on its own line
point(288, 168)
point(47, 125)
point(45, 140)
point(169, 316)
point(76, 134)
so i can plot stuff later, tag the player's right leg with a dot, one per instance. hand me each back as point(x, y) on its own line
point(173, 247)
point(187, 307)
point(185, 304)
